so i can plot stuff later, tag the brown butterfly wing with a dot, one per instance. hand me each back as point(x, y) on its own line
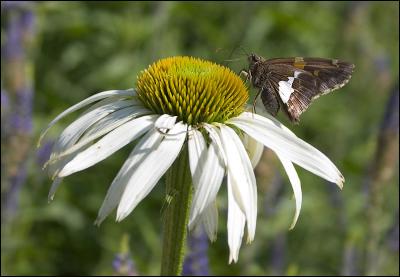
point(270, 99)
point(331, 74)
point(301, 84)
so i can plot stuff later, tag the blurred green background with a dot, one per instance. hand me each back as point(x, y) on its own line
point(55, 54)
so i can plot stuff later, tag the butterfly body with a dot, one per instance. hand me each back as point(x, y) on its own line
point(293, 83)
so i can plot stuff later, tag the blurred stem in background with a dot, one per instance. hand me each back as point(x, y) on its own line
point(393, 235)
point(271, 183)
point(381, 171)
point(273, 195)
point(17, 87)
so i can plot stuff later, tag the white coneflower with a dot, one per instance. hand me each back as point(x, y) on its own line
point(187, 114)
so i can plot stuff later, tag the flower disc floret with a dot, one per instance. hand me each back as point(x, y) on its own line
point(195, 90)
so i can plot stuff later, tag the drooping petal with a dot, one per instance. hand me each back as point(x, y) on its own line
point(87, 101)
point(208, 184)
point(55, 168)
point(281, 140)
point(110, 143)
point(132, 101)
point(242, 177)
point(106, 125)
point(254, 149)
point(213, 131)
point(115, 119)
point(197, 158)
point(210, 220)
point(151, 169)
point(235, 225)
point(144, 147)
point(72, 134)
point(76, 129)
point(296, 185)
point(197, 154)
point(54, 186)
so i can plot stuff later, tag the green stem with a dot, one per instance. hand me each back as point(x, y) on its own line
point(179, 194)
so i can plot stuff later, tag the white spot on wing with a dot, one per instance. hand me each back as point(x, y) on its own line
point(285, 87)
point(297, 73)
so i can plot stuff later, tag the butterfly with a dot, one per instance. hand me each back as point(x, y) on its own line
point(293, 83)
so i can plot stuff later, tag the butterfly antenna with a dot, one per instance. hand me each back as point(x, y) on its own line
point(233, 60)
point(244, 51)
point(230, 57)
point(233, 51)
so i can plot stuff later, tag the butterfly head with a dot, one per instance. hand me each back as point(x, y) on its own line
point(253, 59)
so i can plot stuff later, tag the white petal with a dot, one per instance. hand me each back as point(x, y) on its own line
point(145, 146)
point(213, 131)
point(55, 168)
point(197, 154)
point(71, 135)
point(60, 145)
point(54, 186)
point(296, 185)
point(110, 143)
point(114, 99)
point(197, 158)
point(87, 101)
point(75, 130)
point(208, 182)
point(254, 149)
point(235, 226)
point(151, 169)
point(242, 177)
point(106, 125)
point(116, 119)
point(87, 119)
point(165, 122)
point(281, 140)
point(210, 220)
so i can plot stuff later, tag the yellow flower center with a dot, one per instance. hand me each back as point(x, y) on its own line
point(193, 89)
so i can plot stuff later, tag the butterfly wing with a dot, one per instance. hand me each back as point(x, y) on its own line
point(295, 88)
point(270, 99)
point(331, 74)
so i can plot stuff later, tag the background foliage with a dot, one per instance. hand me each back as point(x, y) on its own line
point(70, 50)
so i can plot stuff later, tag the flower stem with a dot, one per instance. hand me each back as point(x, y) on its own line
point(179, 196)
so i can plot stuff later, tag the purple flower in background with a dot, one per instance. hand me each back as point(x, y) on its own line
point(4, 99)
point(123, 264)
point(11, 204)
point(5, 105)
point(196, 261)
point(13, 47)
point(43, 153)
point(19, 28)
point(16, 99)
point(21, 119)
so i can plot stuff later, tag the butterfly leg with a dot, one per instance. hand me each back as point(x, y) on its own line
point(255, 100)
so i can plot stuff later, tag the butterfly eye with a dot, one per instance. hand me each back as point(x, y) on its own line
point(253, 58)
